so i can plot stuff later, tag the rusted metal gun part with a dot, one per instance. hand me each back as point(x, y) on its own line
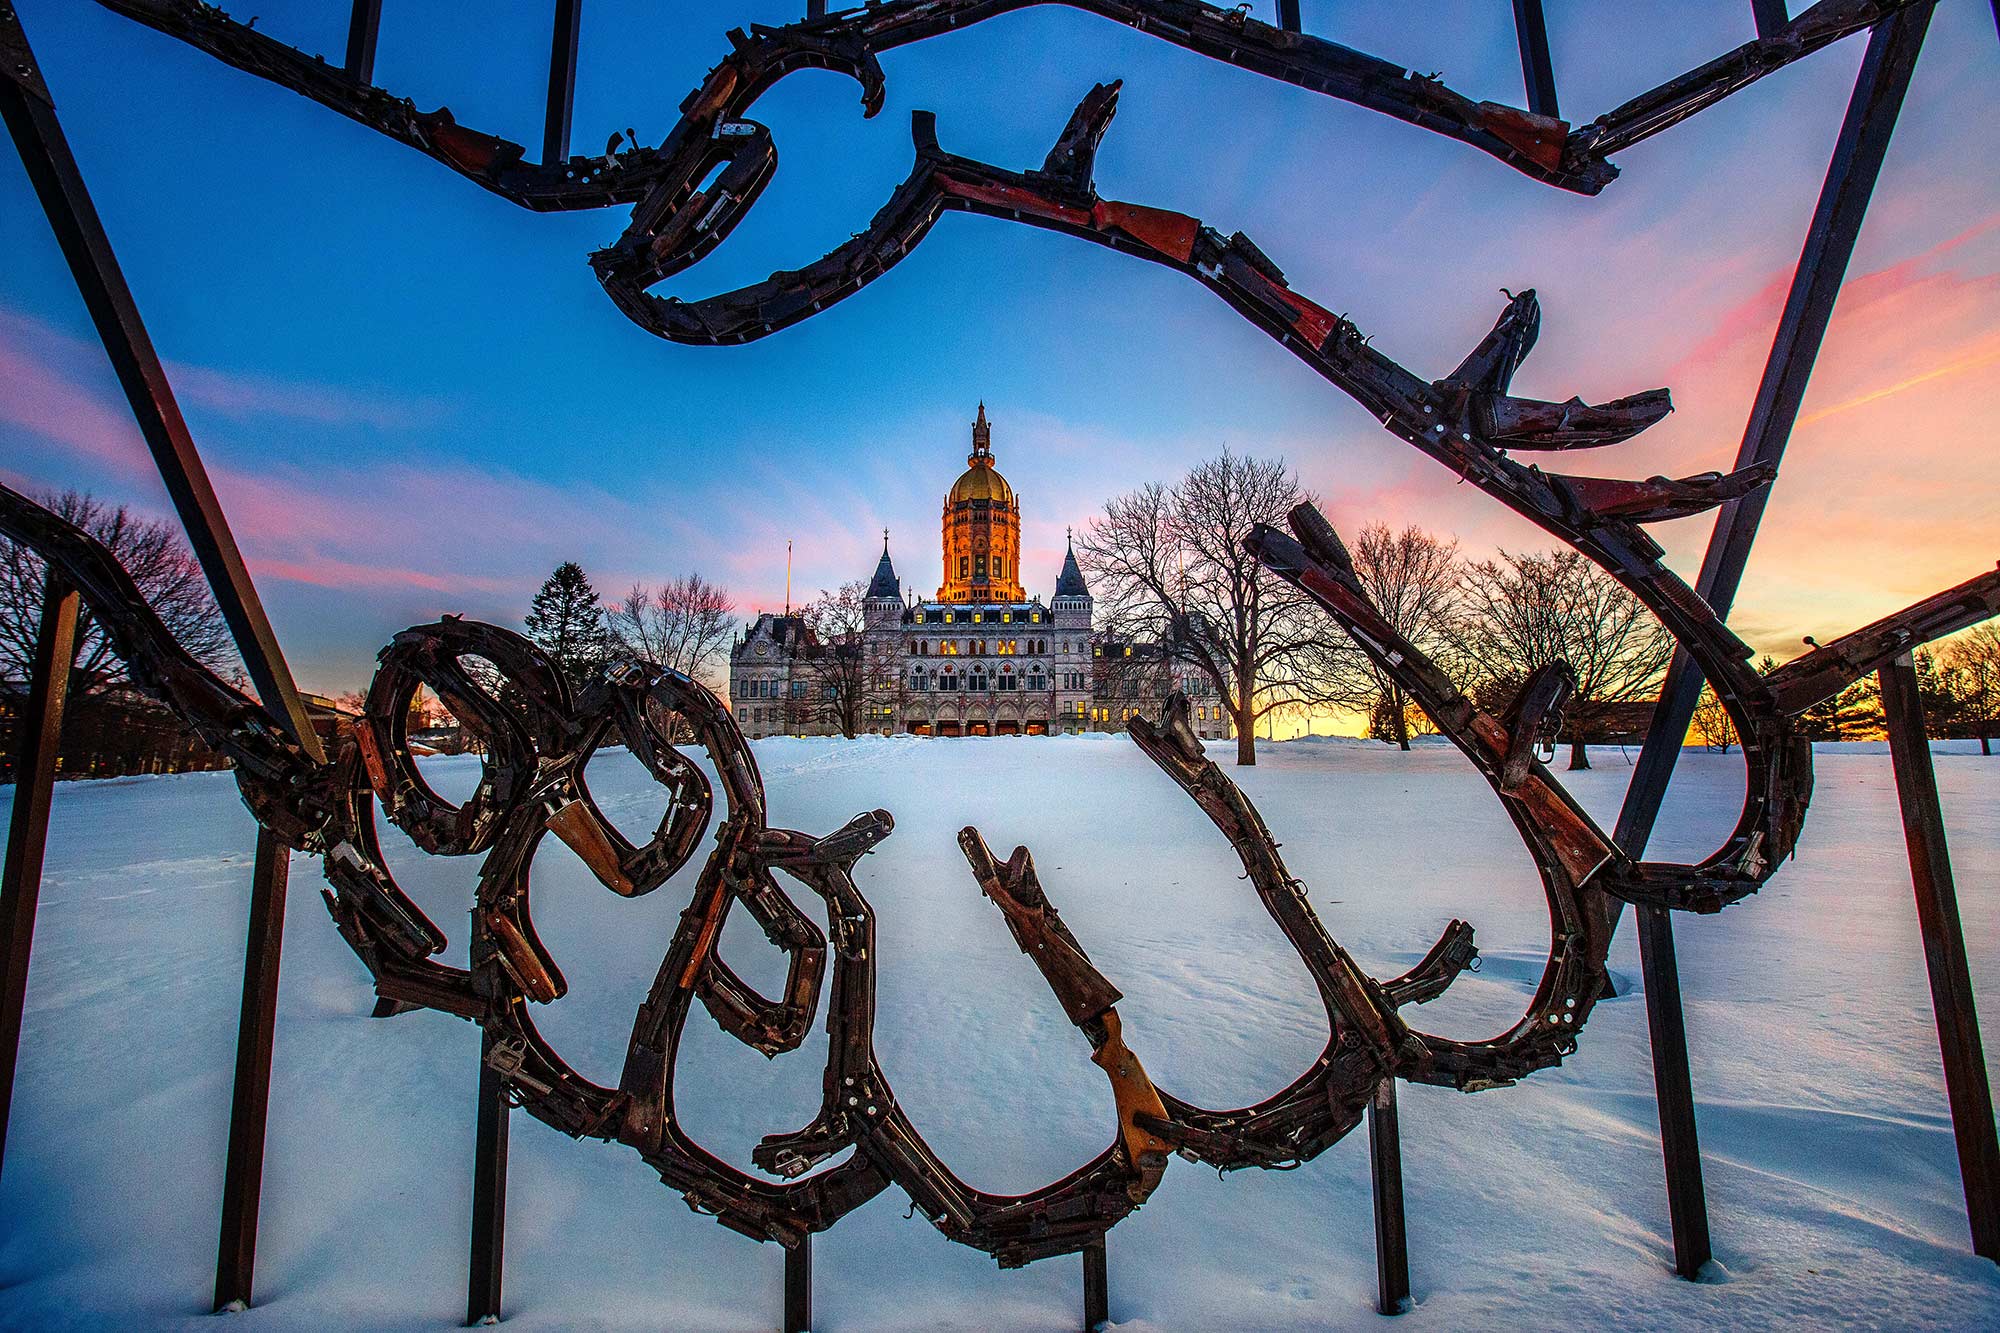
point(1832, 667)
point(1365, 1036)
point(1016, 890)
point(1453, 953)
point(1534, 720)
point(1079, 987)
point(1704, 86)
point(283, 786)
point(493, 163)
point(1570, 853)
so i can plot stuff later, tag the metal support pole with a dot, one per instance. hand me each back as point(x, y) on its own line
point(489, 1201)
point(362, 29)
point(1385, 1171)
point(1944, 955)
point(816, 9)
point(1770, 15)
point(562, 80)
point(1532, 32)
point(1843, 202)
point(799, 1286)
point(1288, 15)
point(37, 747)
point(30, 114)
point(1673, 1086)
point(1096, 1287)
point(243, 1181)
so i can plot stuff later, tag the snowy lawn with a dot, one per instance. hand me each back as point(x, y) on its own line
point(1831, 1178)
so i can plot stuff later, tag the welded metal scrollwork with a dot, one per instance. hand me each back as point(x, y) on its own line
point(537, 736)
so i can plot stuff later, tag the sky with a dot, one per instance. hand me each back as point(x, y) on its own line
point(414, 398)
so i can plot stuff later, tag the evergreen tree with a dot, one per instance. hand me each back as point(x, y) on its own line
point(1854, 713)
point(566, 621)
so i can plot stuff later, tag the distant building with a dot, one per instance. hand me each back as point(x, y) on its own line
point(982, 658)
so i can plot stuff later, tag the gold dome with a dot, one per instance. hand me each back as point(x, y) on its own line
point(981, 481)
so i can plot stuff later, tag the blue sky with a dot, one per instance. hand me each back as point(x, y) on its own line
point(416, 399)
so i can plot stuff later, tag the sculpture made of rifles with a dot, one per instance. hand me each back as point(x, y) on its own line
point(539, 733)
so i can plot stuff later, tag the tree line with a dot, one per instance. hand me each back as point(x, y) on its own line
point(1167, 562)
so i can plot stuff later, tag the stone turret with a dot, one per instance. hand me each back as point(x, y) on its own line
point(1072, 604)
point(883, 606)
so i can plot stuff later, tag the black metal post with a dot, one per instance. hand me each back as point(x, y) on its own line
point(1673, 1086)
point(1532, 32)
point(1288, 15)
point(1385, 1172)
point(362, 29)
point(1096, 1287)
point(799, 1286)
point(1944, 955)
point(243, 1180)
point(30, 114)
point(562, 80)
point(37, 748)
point(489, 1201)
point(816, 9)
point(1843, 202)
point(1770, 16)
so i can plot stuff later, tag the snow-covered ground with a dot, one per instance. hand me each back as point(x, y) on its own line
point(1831, 1177)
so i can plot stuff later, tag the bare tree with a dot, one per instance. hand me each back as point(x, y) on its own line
point(158, 559)
point(684, 624)
point(1524, 611)
point(1170, 563)
point(1413, 578)
point(1973, 661)
point(1712, 724)
point(843, 682)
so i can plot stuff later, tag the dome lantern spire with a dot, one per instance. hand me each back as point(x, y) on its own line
point(982, 439)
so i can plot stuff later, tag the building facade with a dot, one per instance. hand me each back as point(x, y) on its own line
point(981, 658)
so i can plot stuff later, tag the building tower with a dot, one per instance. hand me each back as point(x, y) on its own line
point(1072, 600)
point(882, 606)
point(982, 530)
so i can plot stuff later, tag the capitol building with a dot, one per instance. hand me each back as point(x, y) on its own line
point(982, 658)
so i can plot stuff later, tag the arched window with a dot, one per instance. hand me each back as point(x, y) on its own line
point(916, 678)
point(978, 679)
point(947, 681)
point(1008, 680)
point(1035, 680)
